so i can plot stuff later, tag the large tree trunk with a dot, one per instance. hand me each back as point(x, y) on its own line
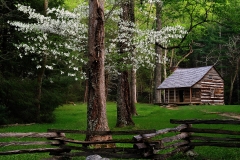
point(96, 105)
point(123, 101)
point(124, 116)
point(158, 65)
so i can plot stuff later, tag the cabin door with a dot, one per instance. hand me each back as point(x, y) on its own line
point(181, 95)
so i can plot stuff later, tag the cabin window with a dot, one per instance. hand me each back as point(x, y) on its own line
point(212, 92)
point(210, 76)
point(195, 93)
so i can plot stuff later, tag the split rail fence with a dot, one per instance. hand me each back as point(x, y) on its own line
point(140, 144)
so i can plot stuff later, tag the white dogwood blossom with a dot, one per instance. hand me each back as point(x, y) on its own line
point(61, 37)
point(139, 45)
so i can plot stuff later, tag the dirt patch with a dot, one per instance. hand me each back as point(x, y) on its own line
point(230, 115)
point(10, 125)
point(171, 106)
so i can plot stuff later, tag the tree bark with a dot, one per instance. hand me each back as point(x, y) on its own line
point(158, 65)
point(133, 70)
point(133, 92)
point(96, 104)
point(45, 6)
point(124, 117)
point(133, 84)
point(165, 64)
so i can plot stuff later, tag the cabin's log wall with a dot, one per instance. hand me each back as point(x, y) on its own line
point(196, 95)
point(186, 97)
point(212, 88)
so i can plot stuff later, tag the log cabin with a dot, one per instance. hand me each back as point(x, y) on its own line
point(201, 85)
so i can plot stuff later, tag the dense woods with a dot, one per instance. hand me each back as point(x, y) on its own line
point(204, 32)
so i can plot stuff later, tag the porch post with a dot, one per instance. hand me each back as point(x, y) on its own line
point(190, 95)
point(164, 95)
point(160, 98)
point(175, 95)
point(168, 96)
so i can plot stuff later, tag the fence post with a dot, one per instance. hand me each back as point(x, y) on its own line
point(190, 151)
point(61, 144)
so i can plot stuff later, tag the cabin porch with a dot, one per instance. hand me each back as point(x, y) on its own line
point(181, 96)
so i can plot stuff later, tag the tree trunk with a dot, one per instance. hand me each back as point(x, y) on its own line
point(133, 92)
point(123, 101)
point(124, 116)
point(40, 75)
point(165, 64)
point(133, 70)
point(158, 65)
point(96, 104)
point(133, 85)
point(45, 6)
point(171, 60)
point(39, 87)
point(157, 78)
point(232, 81)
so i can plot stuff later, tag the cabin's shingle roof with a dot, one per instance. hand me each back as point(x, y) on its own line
point(184, 77)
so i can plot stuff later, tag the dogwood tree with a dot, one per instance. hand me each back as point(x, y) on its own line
point(142, 43)
point(55, 39)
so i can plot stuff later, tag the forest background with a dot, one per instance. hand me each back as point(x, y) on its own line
point(212, 38)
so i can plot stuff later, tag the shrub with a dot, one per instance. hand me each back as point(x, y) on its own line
point(18, 98)
point(3, 115)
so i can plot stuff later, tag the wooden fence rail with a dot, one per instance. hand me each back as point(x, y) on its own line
point(142, 145)
point(146, 144)
point(135, 146)
point(201, 140)
point(48, 141)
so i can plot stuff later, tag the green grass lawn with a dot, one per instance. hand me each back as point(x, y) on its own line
point(150, 117)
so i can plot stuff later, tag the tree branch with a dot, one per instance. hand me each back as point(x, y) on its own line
point(189, 30)
point(186, 55)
